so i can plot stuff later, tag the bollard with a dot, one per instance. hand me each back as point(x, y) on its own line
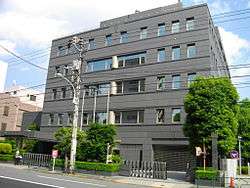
point(232, 182)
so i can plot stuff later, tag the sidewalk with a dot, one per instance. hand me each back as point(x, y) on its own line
point(169, 183)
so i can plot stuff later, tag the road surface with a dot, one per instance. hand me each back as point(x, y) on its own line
point(18, 177)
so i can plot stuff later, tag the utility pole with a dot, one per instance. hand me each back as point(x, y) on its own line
point(80, 46)
point(108, 101)
point(94, 108)
point(239, 139)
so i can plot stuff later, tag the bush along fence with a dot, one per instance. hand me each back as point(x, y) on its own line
point(92, 167)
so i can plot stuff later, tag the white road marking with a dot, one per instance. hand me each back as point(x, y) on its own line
point(27, 181)
point(97, 185)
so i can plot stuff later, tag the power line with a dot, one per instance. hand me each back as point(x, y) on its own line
point(24, 60)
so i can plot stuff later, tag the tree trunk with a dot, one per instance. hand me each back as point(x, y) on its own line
point(66, 163)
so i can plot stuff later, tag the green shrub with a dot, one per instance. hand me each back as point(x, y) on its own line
point(244, 170)
point(207, 174)
point(91, 166)
point(116, 159)
point(6, 157)
point(5, 148)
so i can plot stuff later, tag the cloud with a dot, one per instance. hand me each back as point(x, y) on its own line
point(233, 45)
point(36, 23)
point(218, 7)
point(9, 45)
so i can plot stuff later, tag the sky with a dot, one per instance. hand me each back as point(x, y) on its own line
point(27, 28)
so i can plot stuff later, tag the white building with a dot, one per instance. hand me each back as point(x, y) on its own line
point(28, 96)
point(3, 73)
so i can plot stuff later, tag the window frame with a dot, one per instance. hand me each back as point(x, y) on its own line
point(108, 40)
point(157, 116)
point(189, 81)
point(174, 55)
point(60, 119)
point(191, 21)
point(6, 111)
point(161, 30)
point(191, 50)
point(163, 83)
point(174, 82)
point(143, 33)
point(173, 115)
point(158, 55)
point(124, 37)
point(175, 26)
point(92, 44)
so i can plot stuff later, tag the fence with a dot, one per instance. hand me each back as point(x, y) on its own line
point(35, 159)
point(145, 169)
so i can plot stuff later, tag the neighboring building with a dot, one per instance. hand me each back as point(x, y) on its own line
point(11, 112)
point(26, 95)
point(148, 59)
point(3, 73)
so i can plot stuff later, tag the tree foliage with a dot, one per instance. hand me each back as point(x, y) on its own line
point(97, 138)
point(63, 136)
point(211, 106)
point(244, 127)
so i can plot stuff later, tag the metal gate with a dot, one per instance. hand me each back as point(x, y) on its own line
point(36, 159)
point(146, 169)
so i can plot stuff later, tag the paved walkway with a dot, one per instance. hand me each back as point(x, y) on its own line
point(169, 183)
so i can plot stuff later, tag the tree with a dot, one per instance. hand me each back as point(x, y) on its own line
point(30, 145)
point(63, 136)
point(244, 127)
point(97, 138)
point(211, 106)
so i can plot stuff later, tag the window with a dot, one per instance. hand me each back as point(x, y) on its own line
point(101, 117)
point(175, 26)
point(32, 98)
point(108, 40)
point(176, 115)
point(3, 126)
point(98, 65)
point(85, 118)
point(191, 50)
point(176, 82)
point(176, 53)
point(143, 33)
point(91, 45)
point(191, 78)
point(129, 117)
point(54, 91)
point(124, 37)
point(57, 69)
point(161, 55)
point(132, 60)
point(161, 29)
point(63, 93)
point(62, 51)
point(51, 119)
point(190, 24)
point(6, 110)
point(70, 118)
point(160, 116)
point(65, 70)
point(101, 89)
point(131, 86)
point(60, 119)
point(161, 82)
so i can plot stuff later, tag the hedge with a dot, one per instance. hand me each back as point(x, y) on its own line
point(244, 169)
point(207, 174)
point(5, 148)
point(6, 157)
point(91, 166)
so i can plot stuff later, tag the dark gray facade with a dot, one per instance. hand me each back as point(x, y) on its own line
point(147, 87)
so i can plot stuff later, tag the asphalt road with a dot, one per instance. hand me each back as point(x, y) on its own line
point(17, 177)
